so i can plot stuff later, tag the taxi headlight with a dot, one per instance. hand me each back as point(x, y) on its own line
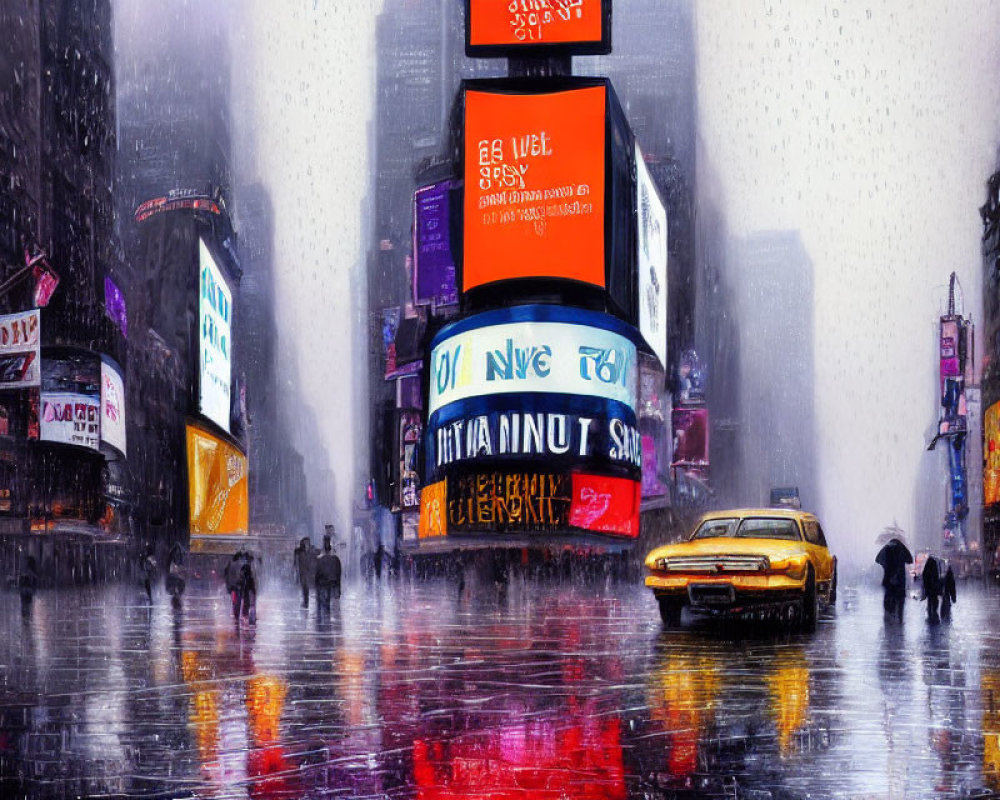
point(794, 567)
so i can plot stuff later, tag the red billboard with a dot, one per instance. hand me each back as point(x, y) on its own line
point(534, 185)
point(501, 27)
point(604, 504)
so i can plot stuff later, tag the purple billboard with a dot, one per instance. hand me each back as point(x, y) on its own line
point(114, 305)
point(433, 262)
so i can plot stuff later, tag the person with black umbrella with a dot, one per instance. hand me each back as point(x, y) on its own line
point(893, 558)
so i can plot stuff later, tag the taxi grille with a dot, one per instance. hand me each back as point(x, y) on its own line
point(714, 565)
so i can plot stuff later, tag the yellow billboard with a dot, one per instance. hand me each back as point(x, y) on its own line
point(217, 485)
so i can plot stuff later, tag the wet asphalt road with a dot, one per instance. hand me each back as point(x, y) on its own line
point(551, 691)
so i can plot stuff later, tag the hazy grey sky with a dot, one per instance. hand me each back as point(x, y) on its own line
point(304, 79)
point(872, 128)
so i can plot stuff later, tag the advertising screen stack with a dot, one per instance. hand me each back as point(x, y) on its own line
point(533, 391)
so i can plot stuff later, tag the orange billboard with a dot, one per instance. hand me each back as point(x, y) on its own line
point(517, 24)
point(217, 485)
point(433, 510)
point(534, 185)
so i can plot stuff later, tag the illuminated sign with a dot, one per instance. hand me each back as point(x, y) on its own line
point(112, 406)
point(513, 428)
point(114, 305)
point(991, 456)
point(534, 167)
point(605, 504)
point(71, 418)
point(217, 485)
point(525, 501)
point(509, 27)
point(215, 308)
point(651, 261)
point(433, 511)
point(20, 340)
point(159, 205)
point(538, 349)
point(433, 261)
point(509, 501)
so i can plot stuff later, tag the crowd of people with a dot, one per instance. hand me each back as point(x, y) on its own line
point(937, 582)
point(321, 569)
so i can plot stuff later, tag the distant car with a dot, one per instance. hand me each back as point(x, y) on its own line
point(747, 561)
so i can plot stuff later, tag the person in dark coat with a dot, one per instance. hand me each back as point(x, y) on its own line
point(27, 583)
point(947, 593)
point(932, 583)
point(175, 580)
point(327, 576)
point(305, 567)
point(248, 589)
point(148, 567)
point(893, 558)
point(232, 577)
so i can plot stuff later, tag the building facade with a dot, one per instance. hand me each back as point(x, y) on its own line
point(65, 498)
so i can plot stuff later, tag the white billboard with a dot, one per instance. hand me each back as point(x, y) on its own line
point(20, 340)
point(71, 418)
point(559, 357)
point(112, 406)
point(215, 311)
point(651, 261)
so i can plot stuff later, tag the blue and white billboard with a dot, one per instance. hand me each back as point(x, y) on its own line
point(215, 309)
point(541, 383)
point(534, 349)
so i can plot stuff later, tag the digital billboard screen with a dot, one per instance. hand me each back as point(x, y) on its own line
point(20, 343)
point(534, 169)
point(533, 382)
point(112, 405)
point(434, 270)
point(509, 27)
point(534, 349)
point(70, 418)
point(217, 485)
point(651, 260)
point(70, 399)
point(215, 310)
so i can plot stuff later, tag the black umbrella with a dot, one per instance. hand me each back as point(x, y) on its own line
point(894, 555)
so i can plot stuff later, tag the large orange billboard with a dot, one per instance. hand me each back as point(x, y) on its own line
point(535, 185)
point(217, 485)
point(520, 24)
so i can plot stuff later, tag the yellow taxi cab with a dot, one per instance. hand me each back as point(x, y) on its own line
point(753, 561)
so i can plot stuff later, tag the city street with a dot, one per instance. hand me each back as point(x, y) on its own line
point(548, 690)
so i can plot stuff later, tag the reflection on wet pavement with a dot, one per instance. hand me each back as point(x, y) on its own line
point(548, 691)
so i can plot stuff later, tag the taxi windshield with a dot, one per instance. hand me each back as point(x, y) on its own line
point(749, 528)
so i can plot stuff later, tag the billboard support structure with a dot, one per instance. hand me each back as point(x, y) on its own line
point(956, 360)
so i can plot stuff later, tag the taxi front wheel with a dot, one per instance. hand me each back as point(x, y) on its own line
point(670, 610)
point(810, 603)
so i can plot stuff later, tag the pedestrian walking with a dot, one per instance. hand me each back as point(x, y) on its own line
point(148, 569)
point(948, 596)
point(893, 558)
point(932, 586)
point(232, 578)
point(248, 589)
point(327, 575)
point(27, 583)
point(175, 580)
point(305, 567)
